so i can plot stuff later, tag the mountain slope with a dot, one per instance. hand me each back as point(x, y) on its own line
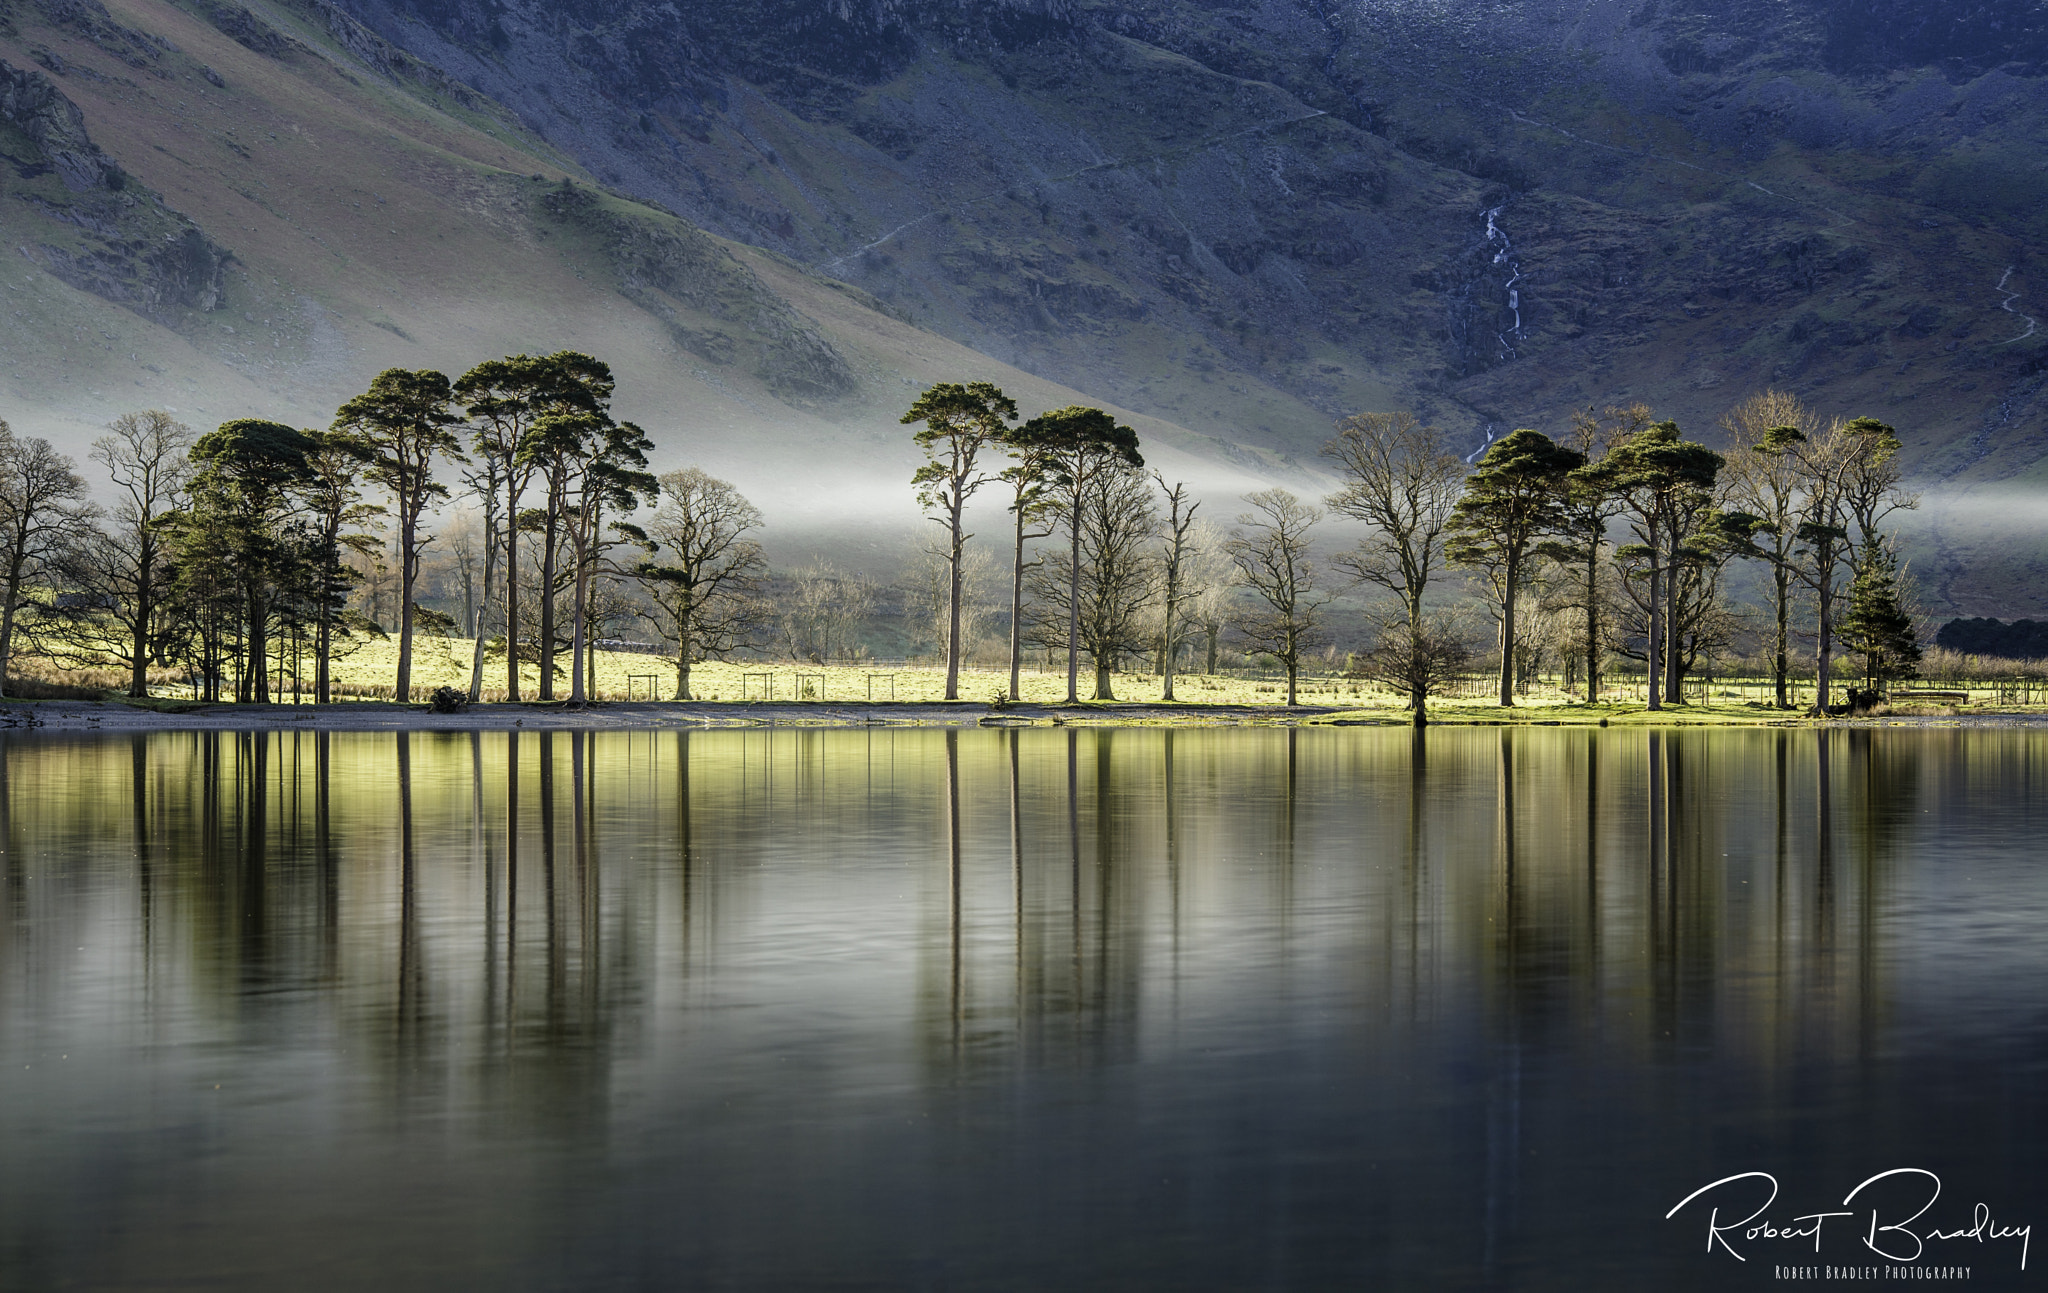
point(1250, 216)
point(336, 208)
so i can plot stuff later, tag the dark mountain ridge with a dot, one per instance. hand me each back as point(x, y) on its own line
point(1250, 216)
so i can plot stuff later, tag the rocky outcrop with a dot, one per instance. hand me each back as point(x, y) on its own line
point(90, 21)
point(247, 30)
point(106, 234)
point(55, 131)
point(394, 63)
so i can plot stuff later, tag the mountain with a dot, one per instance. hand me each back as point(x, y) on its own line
point(1237, 219)
point(1250, 216)
point(234, 213)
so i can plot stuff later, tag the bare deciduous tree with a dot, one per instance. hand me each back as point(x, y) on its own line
point(1179, 569)
point(1401, 481)
point(1270, 547)
point(1763, 478)
point(706, 580)
point(118, 576)
point(1217, 577)
point(1852, 481)
point(823, 611)
point(1117, 577)
point(1418, 659)
point(42, 511)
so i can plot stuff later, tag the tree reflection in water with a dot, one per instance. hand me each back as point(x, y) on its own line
point(1089, 1007)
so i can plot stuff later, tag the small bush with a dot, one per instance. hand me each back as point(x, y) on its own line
point(43, 689)
point(449, 700)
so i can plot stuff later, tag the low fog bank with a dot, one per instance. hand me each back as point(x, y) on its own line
point(1980, 550)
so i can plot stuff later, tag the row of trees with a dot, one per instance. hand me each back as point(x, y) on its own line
point(1627, 523)
point(1133, 542)
point(1806, 498)
point(218, 544)
point(218, 547)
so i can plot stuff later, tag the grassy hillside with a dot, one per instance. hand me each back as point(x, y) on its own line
point(368, 213)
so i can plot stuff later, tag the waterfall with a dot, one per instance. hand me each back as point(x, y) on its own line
point(2006, 305)
point(1505, 255)
point(1484, 446)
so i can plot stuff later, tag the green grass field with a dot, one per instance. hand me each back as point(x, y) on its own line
point(367, 673)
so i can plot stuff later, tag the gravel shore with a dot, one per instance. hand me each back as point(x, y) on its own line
point(384, 716)
point(91, 716)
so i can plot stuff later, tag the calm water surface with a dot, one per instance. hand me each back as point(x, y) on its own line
point(1046, 1009)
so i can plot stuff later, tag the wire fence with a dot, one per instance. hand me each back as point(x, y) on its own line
point(1947, 680)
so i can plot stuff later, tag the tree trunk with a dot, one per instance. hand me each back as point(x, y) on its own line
point(1293, 669)
point(1653, 655)
point(1017, 609)
point(511, 597)
point(579, 630)
point(145, 608)
point(408, 571)
point(1781, 661)
point(686, 614)
point(1824, 643)
point(1074, 604)
point(323, 629)
point(1593, 626)
point(547, 610)
point(577, 636)
point(254, 684)
point(953, 582)
point(7, 620)
point(476, 655)
point(1511, 576)
point(1103, 690)
point(1215, 630)
point(1674, 641)
point(1166, 655)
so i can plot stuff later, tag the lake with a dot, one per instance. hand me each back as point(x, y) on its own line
point(1069, 1008)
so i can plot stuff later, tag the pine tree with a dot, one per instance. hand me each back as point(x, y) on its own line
point(1877, 627)
point(1076, 447)
point(403, 425)
point(1514, 499)
point(960, 423)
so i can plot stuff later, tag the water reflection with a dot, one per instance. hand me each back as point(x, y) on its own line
point(1193, 1008)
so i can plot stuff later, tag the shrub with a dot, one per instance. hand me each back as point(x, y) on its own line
point(44, 689)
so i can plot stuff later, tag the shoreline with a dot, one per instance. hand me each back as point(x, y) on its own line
point(386, 716)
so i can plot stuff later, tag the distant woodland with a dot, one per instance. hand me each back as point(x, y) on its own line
point(2019, 640)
